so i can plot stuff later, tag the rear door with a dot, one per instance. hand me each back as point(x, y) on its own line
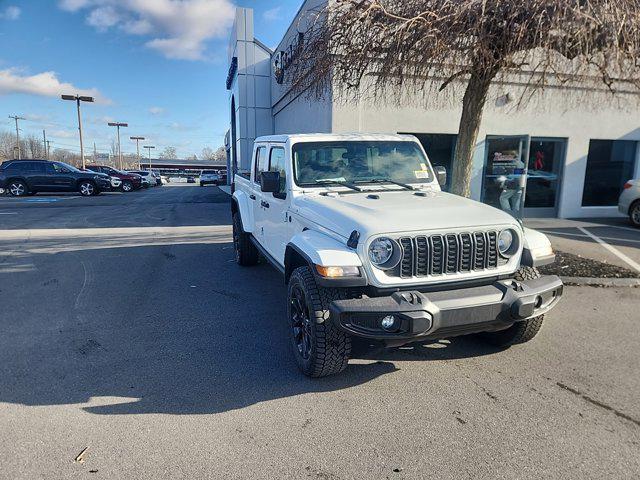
point(261, 164)
point(39, 174)
point(274, 205)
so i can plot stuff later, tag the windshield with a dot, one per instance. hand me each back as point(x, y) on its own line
point(359, 162)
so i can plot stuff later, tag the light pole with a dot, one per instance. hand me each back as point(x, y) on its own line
point(79, 99)
point(16, 118)
point(118, 125)
point(137, 139)
point(149, 147)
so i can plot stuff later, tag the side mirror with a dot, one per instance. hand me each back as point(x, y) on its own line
point(270, 182)
point(441, 175)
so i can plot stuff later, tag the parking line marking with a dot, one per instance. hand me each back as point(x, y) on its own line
point(613, 250)
point(634, 230)
point(8, 213)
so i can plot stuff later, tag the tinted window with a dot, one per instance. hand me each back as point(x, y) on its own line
point(17, 167)
point(261, 163)
point(277, 164)
point(610, 163)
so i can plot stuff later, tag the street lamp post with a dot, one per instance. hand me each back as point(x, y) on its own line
point(137, 139)
point(149, 147)
point(79, 99)
point(118, 125)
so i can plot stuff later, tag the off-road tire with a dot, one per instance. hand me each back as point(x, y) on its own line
point(519, 332)
point(246, 252)
point(330, 346)
point(634, 213)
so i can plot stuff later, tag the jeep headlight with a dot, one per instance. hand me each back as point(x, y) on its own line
point(384, 253)
point(507, 242)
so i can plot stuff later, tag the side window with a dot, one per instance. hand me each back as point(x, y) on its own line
point(16, 167)
point(277, 164)
point(39, 168)
point(261, 163)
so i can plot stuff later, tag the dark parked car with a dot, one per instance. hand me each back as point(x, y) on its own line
point(130, 181)
point(27, 177)
point(191, 180)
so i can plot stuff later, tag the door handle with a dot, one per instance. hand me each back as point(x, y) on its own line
point(252, 197)
point(264, 204)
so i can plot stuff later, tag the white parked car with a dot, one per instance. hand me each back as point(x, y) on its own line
point(209, 177)
point(629, 202)
point(370, 247)
point(148, 178)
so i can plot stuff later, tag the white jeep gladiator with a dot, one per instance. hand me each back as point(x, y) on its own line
point(371, 247)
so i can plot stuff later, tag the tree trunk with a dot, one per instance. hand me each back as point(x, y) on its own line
point(472, 107)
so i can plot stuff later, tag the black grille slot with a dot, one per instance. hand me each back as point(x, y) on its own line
point(480, 254)
point(406, 265)
point(452, 254)
point(422, 256)
point(466, 252)
point(492, 256)
point(448, 254)
point(437, 255)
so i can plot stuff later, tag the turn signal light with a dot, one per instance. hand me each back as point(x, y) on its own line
point(338, 272)
point(627, 185)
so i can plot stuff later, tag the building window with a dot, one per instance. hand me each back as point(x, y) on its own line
point(610, 163)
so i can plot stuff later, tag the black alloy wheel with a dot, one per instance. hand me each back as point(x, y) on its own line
point(301, 323)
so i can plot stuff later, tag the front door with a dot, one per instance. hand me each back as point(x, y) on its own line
point(505, 173)
point(62, 179)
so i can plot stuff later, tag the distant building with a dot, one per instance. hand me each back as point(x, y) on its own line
point(577, 157)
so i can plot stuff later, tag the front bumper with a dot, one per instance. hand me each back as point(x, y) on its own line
point(448, 313)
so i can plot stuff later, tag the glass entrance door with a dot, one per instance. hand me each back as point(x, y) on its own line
point(546, 158)
point(505, 173)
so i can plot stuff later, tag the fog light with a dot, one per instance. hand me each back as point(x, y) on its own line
point(388, 322)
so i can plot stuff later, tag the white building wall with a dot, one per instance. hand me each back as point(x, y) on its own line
point(552, 113)
point(251, 87)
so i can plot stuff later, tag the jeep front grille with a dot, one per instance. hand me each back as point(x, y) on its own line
point(451, 253)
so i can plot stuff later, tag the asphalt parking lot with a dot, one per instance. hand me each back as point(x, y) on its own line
point(127, 328)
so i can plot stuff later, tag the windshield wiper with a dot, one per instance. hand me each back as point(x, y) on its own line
point(387, 180)
point(340, 183)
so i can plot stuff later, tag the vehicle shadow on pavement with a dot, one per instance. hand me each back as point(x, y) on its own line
point(169, 328)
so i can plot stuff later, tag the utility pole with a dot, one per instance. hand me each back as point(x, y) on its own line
point(149, 147)
point(137, 139)
point(44, 143)
point(48, 149)
point(118, 125)
point(95, 153)
point(79, 99)
point(16, 118)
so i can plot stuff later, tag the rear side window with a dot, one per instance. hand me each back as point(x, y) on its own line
point(25, 167)
point(261, 163)
point(277, 164)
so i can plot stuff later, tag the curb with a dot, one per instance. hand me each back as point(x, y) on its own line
point(601, 282)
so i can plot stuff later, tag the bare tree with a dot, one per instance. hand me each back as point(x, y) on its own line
point(169, 153)
point(394, 46)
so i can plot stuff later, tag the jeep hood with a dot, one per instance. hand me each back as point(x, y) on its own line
point(396, 211)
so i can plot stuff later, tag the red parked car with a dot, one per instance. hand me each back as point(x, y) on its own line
point(130, 181)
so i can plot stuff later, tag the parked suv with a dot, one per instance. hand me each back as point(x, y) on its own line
point(130, 181)
point(209, 177)
point(629, 203)
point(369, 246)
point(27, 177)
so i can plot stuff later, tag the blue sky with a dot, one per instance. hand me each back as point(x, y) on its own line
point(159, 65)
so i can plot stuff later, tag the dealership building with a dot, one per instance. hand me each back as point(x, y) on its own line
point(576, 146)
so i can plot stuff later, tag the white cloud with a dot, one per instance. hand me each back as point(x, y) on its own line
point(45, 84)
point(10, 13)
point(63, 133)
point(273, 14)
point(156, 110)
point(179, 29)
